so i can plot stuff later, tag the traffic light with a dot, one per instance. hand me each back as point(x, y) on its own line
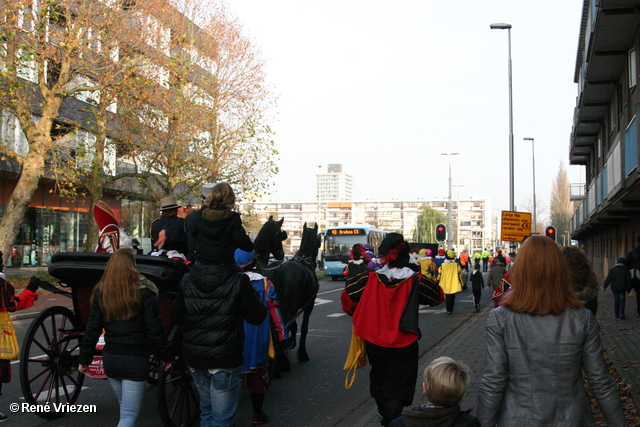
point(550, 232)
point(441, 233)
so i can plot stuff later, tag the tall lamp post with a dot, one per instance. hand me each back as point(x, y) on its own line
point(458, 216)
point(533, 159)
point(449, 222)
point(511, 185)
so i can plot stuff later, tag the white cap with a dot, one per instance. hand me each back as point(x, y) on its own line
point(205, 191)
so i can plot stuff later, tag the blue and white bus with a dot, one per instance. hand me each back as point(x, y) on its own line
point(338, 242)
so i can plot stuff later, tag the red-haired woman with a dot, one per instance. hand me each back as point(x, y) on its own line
point(538, 342)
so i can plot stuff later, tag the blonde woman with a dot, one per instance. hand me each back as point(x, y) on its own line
point(124, 305)
point(539, 341)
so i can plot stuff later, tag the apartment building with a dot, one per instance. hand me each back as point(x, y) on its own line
point(334, 184)
point(471, 218)
point(604, 137)
point(54, 222)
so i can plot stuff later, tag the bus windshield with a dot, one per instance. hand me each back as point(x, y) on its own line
point(337, 248)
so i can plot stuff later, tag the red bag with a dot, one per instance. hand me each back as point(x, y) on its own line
point(348, 305)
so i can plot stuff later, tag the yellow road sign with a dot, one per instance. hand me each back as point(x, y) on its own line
point(515, 226)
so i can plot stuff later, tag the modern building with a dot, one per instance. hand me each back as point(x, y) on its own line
point(604, 138)
point(52, 221)
point(471, 220)
point(334, 184)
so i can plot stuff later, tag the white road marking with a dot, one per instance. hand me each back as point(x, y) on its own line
point(328, 292)
point(337, 315)
point(320, 301)
point(432, 311)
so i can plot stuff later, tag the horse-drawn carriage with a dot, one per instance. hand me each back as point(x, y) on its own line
point(51, 347)
point(50, 350)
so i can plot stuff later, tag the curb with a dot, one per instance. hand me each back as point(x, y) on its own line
point(31, 314)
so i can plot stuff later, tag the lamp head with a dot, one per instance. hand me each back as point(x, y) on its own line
point(500, 26)
point(528, 139)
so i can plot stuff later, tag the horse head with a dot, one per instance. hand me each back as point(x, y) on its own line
point(309, 244)
point(269, 241)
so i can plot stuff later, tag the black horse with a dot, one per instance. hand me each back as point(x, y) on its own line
point(295, 281)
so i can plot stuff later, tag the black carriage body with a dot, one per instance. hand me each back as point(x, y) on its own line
point(82, 272)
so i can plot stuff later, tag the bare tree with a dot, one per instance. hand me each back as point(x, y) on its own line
point(561, 207)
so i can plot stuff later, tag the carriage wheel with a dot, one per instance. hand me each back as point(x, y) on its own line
point(178, 399)
point(49, 360)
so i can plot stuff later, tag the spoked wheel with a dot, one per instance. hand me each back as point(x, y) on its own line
point(49, 360)
point(178, 399)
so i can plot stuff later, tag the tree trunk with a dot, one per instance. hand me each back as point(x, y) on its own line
point(32, 171)
point(96, 183)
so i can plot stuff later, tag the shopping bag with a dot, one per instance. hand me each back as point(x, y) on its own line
point(8, 341)
point(357, 358)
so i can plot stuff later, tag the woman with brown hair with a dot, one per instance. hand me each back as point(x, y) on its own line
point(124, 305)
point(539, 341)
point(585, 284)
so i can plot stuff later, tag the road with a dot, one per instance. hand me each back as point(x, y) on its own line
point(311, 395)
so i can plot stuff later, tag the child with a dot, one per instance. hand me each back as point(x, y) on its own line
point(258, 337)
point(445, 382)
point(620, 280)
point(477, 285)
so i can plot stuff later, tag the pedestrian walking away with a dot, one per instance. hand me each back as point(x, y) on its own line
point(450, 279)
point(620, 280)
point(539, 342)
point(632, 262)
point(485, 260)
point(124, 305)
point(583, 278)
point(387, 320)
point(496, 273)
point(477, 285)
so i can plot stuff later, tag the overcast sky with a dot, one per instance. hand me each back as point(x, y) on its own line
point(385, 87)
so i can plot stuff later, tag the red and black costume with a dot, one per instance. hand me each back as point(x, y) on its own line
point(387, 319)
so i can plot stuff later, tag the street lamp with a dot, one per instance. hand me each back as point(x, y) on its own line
point(449, 225)
point(458, 216)
point(533, 159)
point(511, 188)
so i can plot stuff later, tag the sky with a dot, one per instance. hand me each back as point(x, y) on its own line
point(384, 88)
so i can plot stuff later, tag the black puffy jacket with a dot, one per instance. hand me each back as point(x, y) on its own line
point(619, 279)
point(213, 238)
point(212, 303)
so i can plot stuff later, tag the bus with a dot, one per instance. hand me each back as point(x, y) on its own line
point(338, 242)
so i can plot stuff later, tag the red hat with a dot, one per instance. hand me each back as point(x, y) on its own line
point(440, 252)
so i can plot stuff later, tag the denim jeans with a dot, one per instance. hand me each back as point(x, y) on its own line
point(619, 301)
point(219, 391)
point(129, 394)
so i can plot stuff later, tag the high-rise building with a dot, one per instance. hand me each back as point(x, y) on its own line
point(334, 184)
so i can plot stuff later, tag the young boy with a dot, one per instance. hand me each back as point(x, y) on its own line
point(477, 285)
point(445, 382)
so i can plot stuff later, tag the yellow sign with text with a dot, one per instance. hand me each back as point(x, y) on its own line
point(515, 226)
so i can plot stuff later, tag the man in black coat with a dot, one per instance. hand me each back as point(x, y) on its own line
point(632, 262)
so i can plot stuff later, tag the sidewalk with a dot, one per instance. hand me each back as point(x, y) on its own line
point(468, 345)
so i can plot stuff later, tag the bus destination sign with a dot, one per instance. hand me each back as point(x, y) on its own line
point(347, 231)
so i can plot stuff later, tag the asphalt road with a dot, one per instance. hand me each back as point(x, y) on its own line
point(312, 394)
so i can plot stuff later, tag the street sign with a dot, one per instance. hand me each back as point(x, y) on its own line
point(515, 226)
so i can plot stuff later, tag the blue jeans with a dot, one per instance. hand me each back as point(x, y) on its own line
point(619, 301)
point(129, 394)
point(219, 391)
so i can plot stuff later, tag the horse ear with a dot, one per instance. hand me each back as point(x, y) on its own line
point(304, 226)
point(270, 218)
point(280, 222)
point(316, 227)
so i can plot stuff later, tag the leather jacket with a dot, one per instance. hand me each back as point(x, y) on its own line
point(533, 373)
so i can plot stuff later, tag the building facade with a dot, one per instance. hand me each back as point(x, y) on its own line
point(334, 184)
point(472, 223)
point(604, 137)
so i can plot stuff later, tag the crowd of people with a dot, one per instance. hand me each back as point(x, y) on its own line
point(542, 337)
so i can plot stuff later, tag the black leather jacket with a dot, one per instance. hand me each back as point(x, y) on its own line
point(212, 303)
